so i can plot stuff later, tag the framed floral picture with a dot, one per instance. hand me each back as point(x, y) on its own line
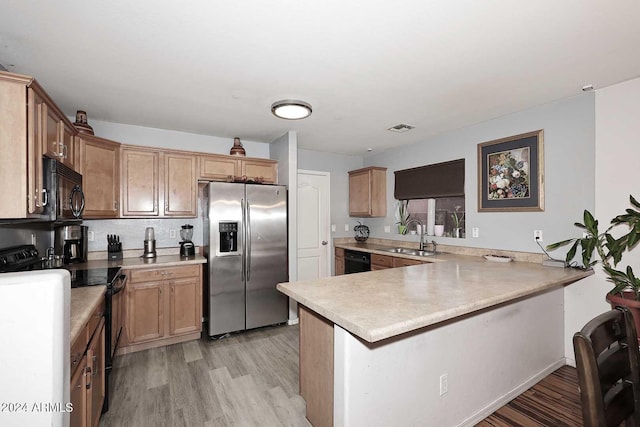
point(511, 174)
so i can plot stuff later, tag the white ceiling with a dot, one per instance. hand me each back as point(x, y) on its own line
point(215, 67)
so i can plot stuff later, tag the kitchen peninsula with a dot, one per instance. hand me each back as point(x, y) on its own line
point(443, 343)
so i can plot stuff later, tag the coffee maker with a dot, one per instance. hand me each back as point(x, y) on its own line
point(70, 242)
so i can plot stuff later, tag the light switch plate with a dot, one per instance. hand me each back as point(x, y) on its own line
point(333, 228)
point(346, 227)
point(387, 229)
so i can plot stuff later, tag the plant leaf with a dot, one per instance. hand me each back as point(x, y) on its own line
point(572, 251)
point(556, 245)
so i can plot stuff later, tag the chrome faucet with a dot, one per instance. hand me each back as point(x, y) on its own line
point(417, 221)
point(435, 246)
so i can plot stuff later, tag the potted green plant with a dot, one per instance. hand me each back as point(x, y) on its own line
point(402, 215)
point(610, 250)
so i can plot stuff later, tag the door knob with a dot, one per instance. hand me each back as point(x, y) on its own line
point(324, 243)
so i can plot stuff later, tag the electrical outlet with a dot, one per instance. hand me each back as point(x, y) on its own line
point(387, 229)
point(172, 233)
point(333, 228)
point(475, 232)
point(91, 236)
point(33, 239)
point(537, 236)
point(346, 227)
point(444, 383)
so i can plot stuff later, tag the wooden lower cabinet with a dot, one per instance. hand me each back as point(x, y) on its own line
point(87, 388)
point(405, 262)
point(380, 262)
point(316, 367)
point(339, 258)
point(163, 306)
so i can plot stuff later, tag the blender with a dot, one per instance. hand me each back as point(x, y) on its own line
point(186, 245)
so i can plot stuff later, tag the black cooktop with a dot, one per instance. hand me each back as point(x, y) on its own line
point(25, 258)
point(93, 277)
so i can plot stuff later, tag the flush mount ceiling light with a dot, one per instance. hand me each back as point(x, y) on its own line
point(291, 109)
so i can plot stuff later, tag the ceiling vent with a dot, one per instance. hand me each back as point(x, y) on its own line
point(402, 127)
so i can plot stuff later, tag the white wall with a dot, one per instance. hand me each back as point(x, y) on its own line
point(338, 166)
point(161, 138)
point(285, 151)
point(569, 173)
point(489, 358)
point(617, 176)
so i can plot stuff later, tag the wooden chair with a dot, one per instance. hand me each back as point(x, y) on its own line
point(607, 360)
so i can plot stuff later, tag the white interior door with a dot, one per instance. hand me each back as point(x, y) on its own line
point(313, 225)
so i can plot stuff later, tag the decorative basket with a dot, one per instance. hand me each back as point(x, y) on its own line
point(362, 232)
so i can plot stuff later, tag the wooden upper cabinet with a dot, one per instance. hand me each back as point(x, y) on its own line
point(139, 182)
point(263, 170)
point(57, 135)
point(158, 183)
point(20, 144)
point(99, 164)
point(368, 192)
point(218, 168)
point(180, 185)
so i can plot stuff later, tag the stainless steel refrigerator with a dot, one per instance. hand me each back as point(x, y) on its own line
point(245, 242)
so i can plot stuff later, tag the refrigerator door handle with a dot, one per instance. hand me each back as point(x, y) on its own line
point(244, 239)
point(248, 225)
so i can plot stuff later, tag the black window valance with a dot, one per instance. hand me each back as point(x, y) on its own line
point(431, 181)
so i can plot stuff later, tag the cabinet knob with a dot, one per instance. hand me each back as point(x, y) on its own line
point(324, 243)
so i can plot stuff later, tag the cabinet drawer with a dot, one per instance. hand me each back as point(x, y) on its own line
point(154, 274)
point(404, 262)
point(381, 260)
point(94, 320)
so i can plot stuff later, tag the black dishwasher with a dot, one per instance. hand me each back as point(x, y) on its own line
point(356, 262)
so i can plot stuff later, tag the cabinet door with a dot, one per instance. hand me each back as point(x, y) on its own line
point(218, 168)
point(100, 169)
point(339, 266)
point(51, 144)
point(359, 194)
point(260, 169)
point(34, 153)
point(140, 179)
point(145, 312)
point(180, 185)
point(185, 305)
point(95, 360)
point(78, 395)
point(67, 145)
point(368, 192)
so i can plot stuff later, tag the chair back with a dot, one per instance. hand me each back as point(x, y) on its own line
point(606, 351)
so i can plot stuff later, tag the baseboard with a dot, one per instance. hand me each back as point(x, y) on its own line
point(503, 400)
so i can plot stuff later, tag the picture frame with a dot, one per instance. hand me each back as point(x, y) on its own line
point(511, 174)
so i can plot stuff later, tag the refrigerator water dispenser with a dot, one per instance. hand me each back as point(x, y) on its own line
point(228, 237)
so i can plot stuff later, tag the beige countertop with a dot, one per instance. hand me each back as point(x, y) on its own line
point(84, 300)
point(138, 262)
point(381, 304)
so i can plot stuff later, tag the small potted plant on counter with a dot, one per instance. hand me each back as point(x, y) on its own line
point(402, 215)
point(610, 250)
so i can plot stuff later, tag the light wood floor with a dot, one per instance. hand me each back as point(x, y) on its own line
point(251, 379)
point(248, 379)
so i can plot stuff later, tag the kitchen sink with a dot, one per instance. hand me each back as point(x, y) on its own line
point(406, 251)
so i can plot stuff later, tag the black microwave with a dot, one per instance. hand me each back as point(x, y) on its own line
point(63, 195)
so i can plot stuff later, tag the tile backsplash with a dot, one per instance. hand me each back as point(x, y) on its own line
point(131, 232)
